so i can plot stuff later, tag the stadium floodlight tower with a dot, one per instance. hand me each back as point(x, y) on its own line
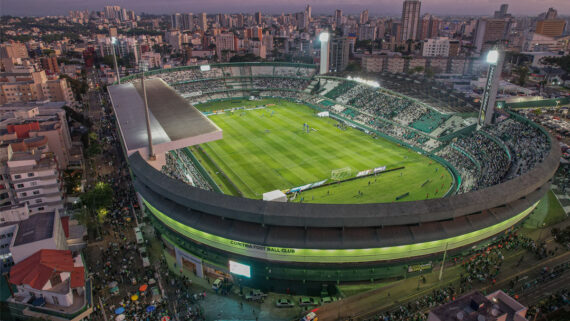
point(495, 61)
point(324, 39)
point(151, 156)
point(113, 41)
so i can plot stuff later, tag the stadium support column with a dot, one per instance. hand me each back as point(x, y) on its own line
point(151, 155)
point(495, 60)
point(113, 41)
point(324, 39)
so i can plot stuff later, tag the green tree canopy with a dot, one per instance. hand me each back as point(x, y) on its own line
point(98, 198)
point(562, 62)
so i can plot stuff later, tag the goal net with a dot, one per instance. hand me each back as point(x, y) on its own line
point(341, 174)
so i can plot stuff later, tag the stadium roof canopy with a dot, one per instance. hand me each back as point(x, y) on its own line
point(174, 122)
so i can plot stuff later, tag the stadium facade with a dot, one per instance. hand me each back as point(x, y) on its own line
point(287, 243)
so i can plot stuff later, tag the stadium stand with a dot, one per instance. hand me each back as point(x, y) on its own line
point(483, 158)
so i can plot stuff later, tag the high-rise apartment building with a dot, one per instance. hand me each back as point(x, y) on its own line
point(367, 32)
point(551, 28)
point(338, 17)
point(188, 21)
point(364, 17)
point(339, 54)
point(410, 20)
point(429, 27)
point(302, 20)
point(239, 20)
point(489, 32)
point(551, 14)
point(112, 12)
point(203, 21)
point(225, 42)
point(502, 13)
point(176, 21)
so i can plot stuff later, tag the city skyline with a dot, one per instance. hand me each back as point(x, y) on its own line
point(377, 7)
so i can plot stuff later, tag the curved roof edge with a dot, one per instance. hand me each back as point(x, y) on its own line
point(345, 215)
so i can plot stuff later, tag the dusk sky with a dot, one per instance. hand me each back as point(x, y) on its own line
point(376, 7)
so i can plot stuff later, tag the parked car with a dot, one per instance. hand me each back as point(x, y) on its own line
point(311, 316)
point(306, 301)
point(217, 284)
point(255, 295)
point(328, 299)
point(283, 303)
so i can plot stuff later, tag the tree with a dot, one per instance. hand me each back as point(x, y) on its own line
point(353, 67)
point(523, 73)
point(93, 148)
point(98, 201)
point(562, 62)
point(108, 60)
point(248, 57)
point(95, 205)
point(417, 69)
point(78, 87)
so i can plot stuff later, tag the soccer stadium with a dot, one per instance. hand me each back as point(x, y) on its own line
point(276, 175)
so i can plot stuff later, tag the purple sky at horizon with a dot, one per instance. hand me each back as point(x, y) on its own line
point(376, 7)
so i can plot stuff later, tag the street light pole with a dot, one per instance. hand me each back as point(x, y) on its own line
point(113, 40)
point(443, 261)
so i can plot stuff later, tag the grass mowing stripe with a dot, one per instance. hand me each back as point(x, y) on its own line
point(329, 151)
point(246, 144)
point(232, 166)
point(285, 161)
point(338, 146)
point(210, 165)
point(301, 155)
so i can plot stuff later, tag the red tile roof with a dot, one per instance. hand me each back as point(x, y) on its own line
point(65, 225)
point(37, 269)
point(77, 277)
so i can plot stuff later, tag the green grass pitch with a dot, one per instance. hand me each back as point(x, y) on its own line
point(267, 149)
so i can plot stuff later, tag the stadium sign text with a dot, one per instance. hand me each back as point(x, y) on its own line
point(263, 248)
point(419, 267)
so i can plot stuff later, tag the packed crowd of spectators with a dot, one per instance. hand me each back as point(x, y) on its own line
point(178, 76)
point(416, 310)
point(205, 86)
point(192, 89)
point(467, 169)
point(179, 166)
point(410, 114)
point(491, 157)
point(528, 145)
point(173, 77)
point(282, 83)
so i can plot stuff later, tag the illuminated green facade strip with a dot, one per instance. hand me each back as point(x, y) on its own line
point(335, 256)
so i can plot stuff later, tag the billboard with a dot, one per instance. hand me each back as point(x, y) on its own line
point(240, 269)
